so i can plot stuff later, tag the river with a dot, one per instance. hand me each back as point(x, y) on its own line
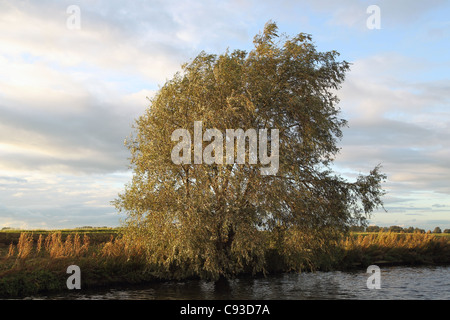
point(417, 283)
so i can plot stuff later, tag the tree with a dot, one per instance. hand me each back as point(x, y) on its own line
point(395, 229)
point(217, 220)
point(409, 230)
point(437, 230)
point(373, 229)
point(357, 229)
point(446, 231)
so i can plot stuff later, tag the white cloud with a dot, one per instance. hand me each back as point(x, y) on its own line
point(403, 123)
point(68, 97)
point(53, 200)
point(352, 13)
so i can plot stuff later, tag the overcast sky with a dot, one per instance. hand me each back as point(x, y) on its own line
point(69, 95)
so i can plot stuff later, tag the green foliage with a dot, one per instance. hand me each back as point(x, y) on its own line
point(32, 282)
point(373, 229)
point(206, 220)
point(395, 229)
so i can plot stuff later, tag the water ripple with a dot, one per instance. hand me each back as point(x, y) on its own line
point(413, 283)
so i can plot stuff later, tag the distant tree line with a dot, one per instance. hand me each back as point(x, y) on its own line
point(397, 229)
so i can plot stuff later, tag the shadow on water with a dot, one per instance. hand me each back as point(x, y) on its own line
point(222, 289)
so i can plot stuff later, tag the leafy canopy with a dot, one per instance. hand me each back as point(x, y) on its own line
point(214, 220)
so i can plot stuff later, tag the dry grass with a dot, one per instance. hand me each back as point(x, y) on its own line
point(39, 244)
point(52, 245)
point(30, 264)
point(121, 247)
point(25, 245)
point(353, 250)
point(11, 251)
point(394, 240)
point(397, 247)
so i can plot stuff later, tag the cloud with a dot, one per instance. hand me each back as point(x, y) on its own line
point(423, 220)
point(83, 141)
point(143, 39)
point(106, 40)
point(56, 118)
point(400, 13)
point(437, 205)
point(398, 122)
point(53, 200)
point(68, 97)
point(11, 180)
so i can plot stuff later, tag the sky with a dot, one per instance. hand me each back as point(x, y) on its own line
point(74, 75)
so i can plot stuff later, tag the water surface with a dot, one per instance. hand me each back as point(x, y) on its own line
point(418, 283)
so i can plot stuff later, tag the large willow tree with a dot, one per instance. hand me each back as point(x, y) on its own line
point(214, 220)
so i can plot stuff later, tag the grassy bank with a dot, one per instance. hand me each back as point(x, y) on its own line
point(36, 262)
point(395, 248)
